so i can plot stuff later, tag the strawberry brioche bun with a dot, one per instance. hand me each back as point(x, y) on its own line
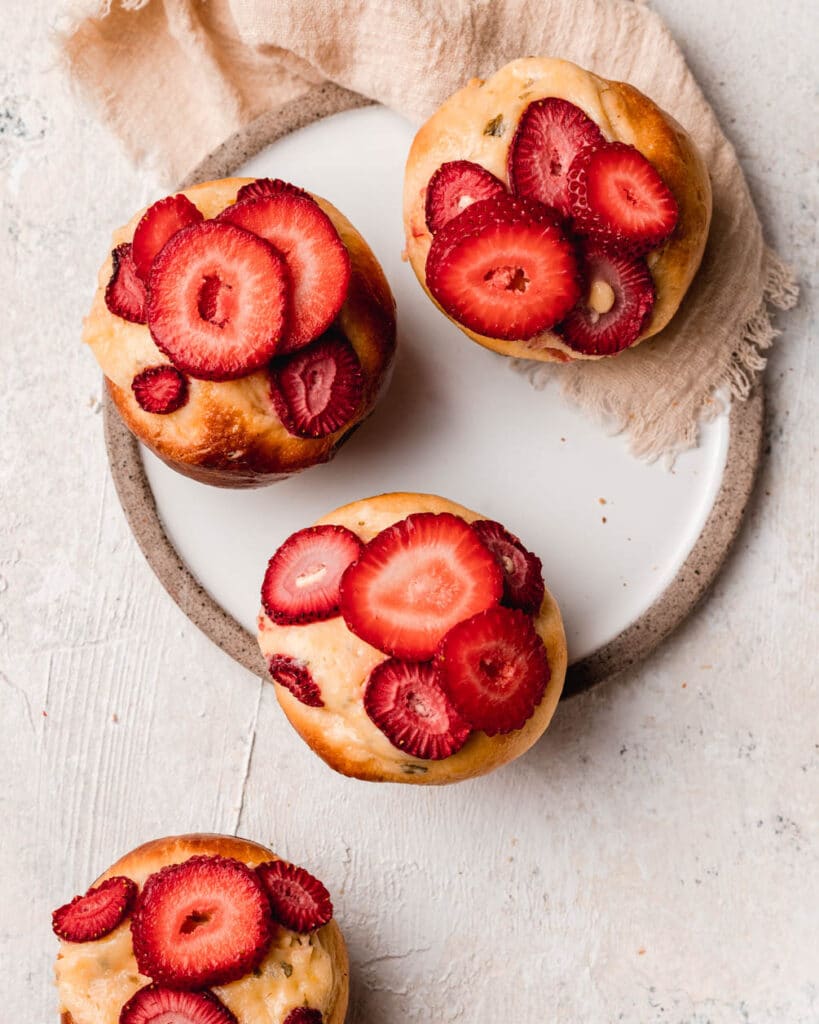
point(201, 929)
point(244, 328)
point(412, 640)
point(554, 215)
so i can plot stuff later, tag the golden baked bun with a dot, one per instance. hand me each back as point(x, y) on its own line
point(95, 979)
point(229, 432)
point(323, 671)
point(479, 123)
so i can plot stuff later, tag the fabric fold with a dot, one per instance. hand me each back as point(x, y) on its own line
point(177, 78)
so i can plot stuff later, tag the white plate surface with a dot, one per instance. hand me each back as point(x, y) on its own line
point(457, 421)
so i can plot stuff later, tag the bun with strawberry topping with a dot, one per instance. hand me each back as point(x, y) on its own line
point(412, 640)
point(201, 929)
point(244, 328)
point(554, 215)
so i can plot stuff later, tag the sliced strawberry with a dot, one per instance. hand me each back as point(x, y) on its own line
point(405, 700)
point(317, 390)
point(262, 187)
point(522, 571)
point(504, 268)
point(615, 307)
point(156, 1004)
point(125, 294)
point(495, 669)
point(550, 134)
point(304, 1015)
point(298, 900)
point(296, 677)
point(619, 199)
point(317, 259)
point(203, 922)
point(415, 580)
point(160, 389)
point(216, 301)
point(454, 186)
point(90, 917)
point(303, 577)
point(157, 225)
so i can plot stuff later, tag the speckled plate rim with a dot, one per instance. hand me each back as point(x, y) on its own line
point(630, 647)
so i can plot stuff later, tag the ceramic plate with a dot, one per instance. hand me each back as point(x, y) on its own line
point(627, 547)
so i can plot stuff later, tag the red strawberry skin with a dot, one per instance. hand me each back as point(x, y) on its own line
point(318, 389)
point(523, 585)
point(263, 187)
point(203, 922)
point(303, 578)
point(318, 263)
point(295, 677)
point(604, 334)
point(504, 268)
point(97, 913)
point(619, 200)
point(454, 186)
point(125, 294)
point(160, 389)
point(157, 225)
point(298, 900)
point(405, 701)
point(157, 1004)
point(219, 270)
point(495, 669)
point(415, 580)
point(550, 134)
point(304, 1015)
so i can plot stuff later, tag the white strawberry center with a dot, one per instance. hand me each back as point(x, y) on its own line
point(435, 589)
point(318, 386)
point(601, 297)
point(418, 706)
point(429, 706)
point(311, 575)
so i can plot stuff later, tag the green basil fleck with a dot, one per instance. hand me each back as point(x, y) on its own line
point(495, 127)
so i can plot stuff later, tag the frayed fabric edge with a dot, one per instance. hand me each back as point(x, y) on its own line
point(780, 290)
point(657, 440)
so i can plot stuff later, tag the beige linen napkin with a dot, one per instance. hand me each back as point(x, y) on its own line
point(175, 78)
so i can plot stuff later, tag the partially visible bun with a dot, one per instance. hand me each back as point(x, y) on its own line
point(229, 433)
point(478, 123)
point(341, 732)
point(95, 979)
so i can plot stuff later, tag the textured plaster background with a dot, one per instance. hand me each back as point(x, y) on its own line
point(654, 857)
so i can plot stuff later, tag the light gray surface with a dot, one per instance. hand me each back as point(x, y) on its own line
point(674, 876)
